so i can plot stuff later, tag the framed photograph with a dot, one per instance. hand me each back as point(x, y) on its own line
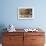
point(25, 13)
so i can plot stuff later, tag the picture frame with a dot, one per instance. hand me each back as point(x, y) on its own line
point(25, 13)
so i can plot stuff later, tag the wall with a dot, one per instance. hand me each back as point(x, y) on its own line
point(9, 13)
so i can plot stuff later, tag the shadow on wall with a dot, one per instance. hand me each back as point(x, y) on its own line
point(2, 26)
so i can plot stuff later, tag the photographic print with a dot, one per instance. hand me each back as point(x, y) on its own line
point(25, 13)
